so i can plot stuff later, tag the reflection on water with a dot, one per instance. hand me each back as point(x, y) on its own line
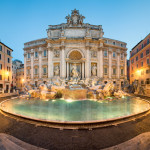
point(69, 110)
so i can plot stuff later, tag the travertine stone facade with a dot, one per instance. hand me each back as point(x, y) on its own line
point(75, 48)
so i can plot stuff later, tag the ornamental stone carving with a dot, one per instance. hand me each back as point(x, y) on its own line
point(75, 18)
point(56, 53)
point(93, 54)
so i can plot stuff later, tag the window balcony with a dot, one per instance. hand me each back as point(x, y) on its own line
point(122, 76)
point(28, 59)
point(114, 76)
point(28, 76)
point(44, 58)
point(36, 59)
point(36, 76)
point(45, 76)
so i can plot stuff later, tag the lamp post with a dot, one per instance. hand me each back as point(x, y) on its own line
point(6, 74)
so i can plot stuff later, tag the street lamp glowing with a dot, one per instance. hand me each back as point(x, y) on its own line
point(138, 72)
point(7, 73)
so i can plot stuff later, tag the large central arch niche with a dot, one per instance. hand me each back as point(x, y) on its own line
point(75, 62)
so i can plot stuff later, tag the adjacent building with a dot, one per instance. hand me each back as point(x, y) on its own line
point(20, 77)
point(75, 49)
point(128, 70)
point(18, 74)
point(5, 68)
point(140, 62)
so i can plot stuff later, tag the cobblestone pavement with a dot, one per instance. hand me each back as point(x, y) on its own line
point(54, 139)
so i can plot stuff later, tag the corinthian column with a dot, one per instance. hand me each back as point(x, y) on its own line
point(63, 68)
point(88, 68)
point(100, 63)
point(67, 70)
point(25, 66)
point(50, 61)
point(32, 59)
point(118, 64)
point(40, 63)
point(63, 63)
point(110, 63)
point(82, 70)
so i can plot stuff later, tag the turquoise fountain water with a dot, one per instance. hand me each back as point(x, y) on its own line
point(75, 111)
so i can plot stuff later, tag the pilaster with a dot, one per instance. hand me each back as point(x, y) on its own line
point(110, 63)
point(50, 61)
point(88, 62)
point(63, 63)
point(118, 64)
point(40, 62)
point(32, 60)
point(100, 62)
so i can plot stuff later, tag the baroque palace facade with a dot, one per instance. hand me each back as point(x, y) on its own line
point(75, 49)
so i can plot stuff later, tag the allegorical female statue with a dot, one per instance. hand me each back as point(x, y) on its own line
point(74, 72)
point(94, 70)
point(56, 70)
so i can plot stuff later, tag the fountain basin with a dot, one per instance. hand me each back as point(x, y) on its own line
point(75, 112)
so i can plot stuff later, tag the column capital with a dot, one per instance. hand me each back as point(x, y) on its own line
point(62, 47)
point(32, 52)
point(110, 51)
point(50, 48)
point(101, 48)
point(40, 49)
point(49, 45)
point(25, 54)
point(88, 47)
point(118, 53)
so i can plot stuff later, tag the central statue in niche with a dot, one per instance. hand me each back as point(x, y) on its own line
point(74, 72)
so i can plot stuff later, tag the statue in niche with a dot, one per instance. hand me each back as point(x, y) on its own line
point(94, 70)
point(93, 54)
point(56, 70)
point(74, 72)
point(56, 53)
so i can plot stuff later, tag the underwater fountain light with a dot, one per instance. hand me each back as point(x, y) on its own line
point(69, 100)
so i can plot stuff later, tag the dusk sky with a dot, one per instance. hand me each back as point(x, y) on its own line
point(25, 20)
